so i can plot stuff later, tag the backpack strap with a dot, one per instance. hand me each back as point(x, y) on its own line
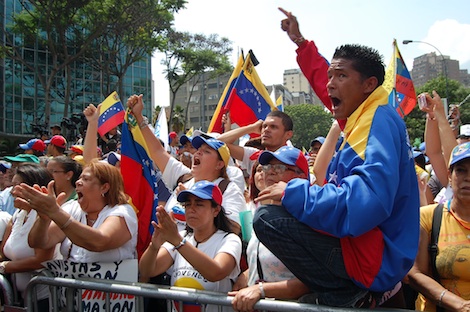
point(184, 178)
point(433, 249)
point(223, 185)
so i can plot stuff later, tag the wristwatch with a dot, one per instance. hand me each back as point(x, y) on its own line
point(3, 265)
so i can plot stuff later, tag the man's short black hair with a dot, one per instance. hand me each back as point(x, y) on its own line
point(286, 120)
point(367, 61)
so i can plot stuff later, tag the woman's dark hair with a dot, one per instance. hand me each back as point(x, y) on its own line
point(221, 221)
point(33, 174)
point(68, 164)
point(254, 191)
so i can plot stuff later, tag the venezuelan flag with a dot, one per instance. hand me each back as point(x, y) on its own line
point(399, 85)
point(249, 100)
point(111, 114)
point(140, 181)
point(216, 121)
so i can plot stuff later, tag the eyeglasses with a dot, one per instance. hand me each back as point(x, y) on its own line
point(279, 168)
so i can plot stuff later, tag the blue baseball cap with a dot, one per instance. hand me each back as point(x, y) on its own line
point(287, 155)
point(318, 139)
point(422, 147)
point(4, 165)
point(416, 153)
point(34, 144)
point(185, 139)
point(203, 190)
point(113, 158)
point(215, 144)
point(459, 153)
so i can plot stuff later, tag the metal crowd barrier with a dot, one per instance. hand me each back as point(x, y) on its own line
point(141, 290)
point(7, 290)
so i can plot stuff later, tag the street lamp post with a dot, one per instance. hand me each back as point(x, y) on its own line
point(443, 60)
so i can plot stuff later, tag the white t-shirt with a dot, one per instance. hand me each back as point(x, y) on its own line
point(233, 200)
point(273, 270)
point(248, 161)
point(80, 254)
point(235, 175)
point(184, 275)
point(17, 248)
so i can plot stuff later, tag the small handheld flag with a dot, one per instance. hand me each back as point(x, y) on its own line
point(111, 114)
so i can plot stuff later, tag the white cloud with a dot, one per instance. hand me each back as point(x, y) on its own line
point(452, 39)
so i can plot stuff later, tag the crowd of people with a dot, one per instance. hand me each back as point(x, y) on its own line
point(340, 226)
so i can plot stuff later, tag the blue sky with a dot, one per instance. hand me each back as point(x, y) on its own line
point(255, 24)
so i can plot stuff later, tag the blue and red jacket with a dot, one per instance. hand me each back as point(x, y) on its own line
point(371, 200)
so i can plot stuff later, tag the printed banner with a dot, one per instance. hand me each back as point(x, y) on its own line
point(94, 300)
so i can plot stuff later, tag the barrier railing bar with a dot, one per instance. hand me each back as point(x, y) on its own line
point(172, 293)
point(7, 290)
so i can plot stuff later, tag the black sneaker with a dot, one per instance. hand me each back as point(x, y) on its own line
point(366, 302)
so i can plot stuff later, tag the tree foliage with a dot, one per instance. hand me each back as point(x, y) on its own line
point(69, 30)
point(140, 31)
point(189, 55)
point(309, 121)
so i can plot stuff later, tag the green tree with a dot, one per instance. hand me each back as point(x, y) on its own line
point(309, 121)
point(189, 55)
point(139, 30)
point(68, 30)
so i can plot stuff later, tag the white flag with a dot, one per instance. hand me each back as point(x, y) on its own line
point(161, 128)
point(273, 94)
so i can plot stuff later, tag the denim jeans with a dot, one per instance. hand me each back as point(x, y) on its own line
point(314, 258)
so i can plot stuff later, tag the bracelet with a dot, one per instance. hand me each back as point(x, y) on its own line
point(430, 118)
point(299, 40)
point(261, 289)
point(67, 223)
point(439, 302)
point(144, 123)
point(183, 241)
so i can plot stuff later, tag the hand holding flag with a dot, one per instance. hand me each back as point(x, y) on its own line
point(245, 97)
point(140, 181)
point(111, 114)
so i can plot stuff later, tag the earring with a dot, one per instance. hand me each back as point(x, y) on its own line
point(102, 194)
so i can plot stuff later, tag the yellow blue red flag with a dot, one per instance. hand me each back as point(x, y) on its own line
point(111, 114)
point(399, 85)
point(140, 181)
point(249, 99)
point(216, 121)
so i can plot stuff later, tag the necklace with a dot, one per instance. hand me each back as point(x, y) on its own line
point(205, 239)
point(91, 221)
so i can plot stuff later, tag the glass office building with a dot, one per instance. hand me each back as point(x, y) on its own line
point(23, 97)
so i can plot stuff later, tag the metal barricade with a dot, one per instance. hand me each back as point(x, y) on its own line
point(7, 290)
point(141, 290)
